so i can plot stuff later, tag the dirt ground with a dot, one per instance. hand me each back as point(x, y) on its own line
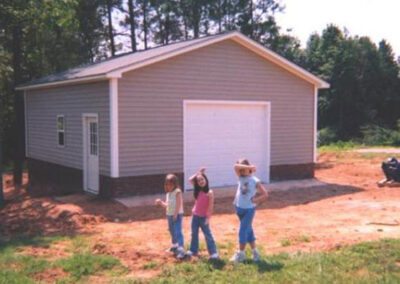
point(350, 208)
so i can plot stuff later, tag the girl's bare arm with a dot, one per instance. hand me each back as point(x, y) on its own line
point(161, 203)
point(192, 178)
point(238, 167)
point(178, 205)
point(210, 203)
point(263, 195)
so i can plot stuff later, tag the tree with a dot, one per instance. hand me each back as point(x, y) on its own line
point(132, 23)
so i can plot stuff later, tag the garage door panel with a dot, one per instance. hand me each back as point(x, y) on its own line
point(217, 134)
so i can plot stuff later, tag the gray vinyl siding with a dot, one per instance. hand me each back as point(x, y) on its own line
point(42, 108)
point(151, 105)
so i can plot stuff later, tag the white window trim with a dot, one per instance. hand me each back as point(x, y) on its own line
point(58, 131)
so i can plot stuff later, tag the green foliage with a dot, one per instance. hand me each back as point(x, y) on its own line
point(376, 135)
point(364, 82)
point(326, 136)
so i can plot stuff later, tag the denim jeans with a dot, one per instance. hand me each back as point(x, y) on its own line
point(246, 233)
point(175, 229)
point(200, 222)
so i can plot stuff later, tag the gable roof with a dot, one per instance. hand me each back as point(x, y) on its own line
point(116, 66)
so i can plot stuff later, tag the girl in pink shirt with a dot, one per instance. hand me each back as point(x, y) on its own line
point(201, 214)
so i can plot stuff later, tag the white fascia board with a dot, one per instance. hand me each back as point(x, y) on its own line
point(62, 83)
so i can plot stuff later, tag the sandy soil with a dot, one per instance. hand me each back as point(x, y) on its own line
point(349, 209)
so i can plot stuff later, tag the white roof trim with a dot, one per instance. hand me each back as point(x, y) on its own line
point(64, 82)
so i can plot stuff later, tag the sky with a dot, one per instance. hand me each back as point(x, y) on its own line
point(378, 19)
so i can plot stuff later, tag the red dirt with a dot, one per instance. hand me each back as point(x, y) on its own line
point(320, 218)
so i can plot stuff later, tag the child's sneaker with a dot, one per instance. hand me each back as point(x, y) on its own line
point(173, 249)
point(180, 253)
point(189, 253)
point(214, 256)
point(238, 257)
point(256, 255)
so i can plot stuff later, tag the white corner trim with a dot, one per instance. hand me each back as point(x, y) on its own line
point(315, 132)
point(26, 126)
point(114, 133)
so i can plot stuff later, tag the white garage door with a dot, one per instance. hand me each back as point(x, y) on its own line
point(217, 134)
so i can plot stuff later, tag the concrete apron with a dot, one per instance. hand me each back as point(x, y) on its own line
point(221, 192)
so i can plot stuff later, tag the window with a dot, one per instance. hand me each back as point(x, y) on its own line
point(93, 138)
point(61, 130)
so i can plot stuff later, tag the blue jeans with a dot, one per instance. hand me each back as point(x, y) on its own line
point(246, 233)
point(175, 229)
point(200, 222)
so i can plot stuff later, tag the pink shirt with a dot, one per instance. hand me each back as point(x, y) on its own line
point(201, 205)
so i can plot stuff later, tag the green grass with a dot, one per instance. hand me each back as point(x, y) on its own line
point(286, 242)
point(80, 265)
point(303, 239)
point(17, 267)
point(339, 147)
point(371, 262)
point(150, 265)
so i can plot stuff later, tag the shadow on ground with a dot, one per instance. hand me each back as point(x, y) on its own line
point(114, 211)
point(27, 216)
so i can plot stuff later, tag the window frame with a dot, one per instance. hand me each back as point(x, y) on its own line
point(60, 131)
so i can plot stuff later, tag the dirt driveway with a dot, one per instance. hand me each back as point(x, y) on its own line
point(350, 209)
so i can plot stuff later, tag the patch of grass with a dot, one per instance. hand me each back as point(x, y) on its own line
point(8, 276)
point(80, 265)
point(17, 267)
point(303, 239)
point(286, 242)
point(339, 147)
point(150, 265)
point(370, 262)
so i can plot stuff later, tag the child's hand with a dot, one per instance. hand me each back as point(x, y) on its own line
point(207, 221)
point(202, 170)
point(253, 168)
point(158, 201)
point(175, 217)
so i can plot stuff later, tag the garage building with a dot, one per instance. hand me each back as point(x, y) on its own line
point(116, 127)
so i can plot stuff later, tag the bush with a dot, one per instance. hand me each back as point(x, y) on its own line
point(326, 136)
point(377, 135)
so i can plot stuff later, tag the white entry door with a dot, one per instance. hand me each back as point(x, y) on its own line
point(217, 134)
point(91, 152)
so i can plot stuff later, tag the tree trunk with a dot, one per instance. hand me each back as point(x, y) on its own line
point(132, 24)
point(110, 27)
point(251, 20)
point(1, 153)
point(167, 26)
point(219, 16)
point(196, 19)
point(18, 125)
point(144, 11)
